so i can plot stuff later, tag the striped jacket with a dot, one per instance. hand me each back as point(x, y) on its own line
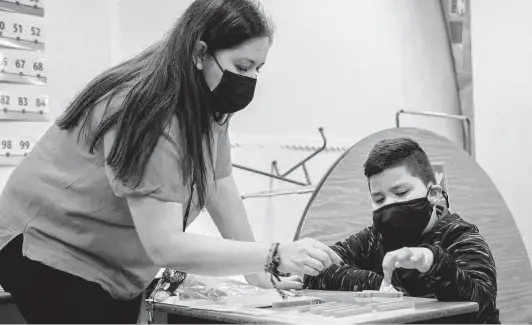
point(463, 268)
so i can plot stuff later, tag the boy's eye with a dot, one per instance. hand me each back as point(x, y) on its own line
point(379, 200)
point(402, 193)
point(242, 69)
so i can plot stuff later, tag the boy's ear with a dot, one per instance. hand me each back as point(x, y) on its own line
point(435, 194)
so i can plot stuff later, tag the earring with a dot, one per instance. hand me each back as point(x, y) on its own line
point(199, 66)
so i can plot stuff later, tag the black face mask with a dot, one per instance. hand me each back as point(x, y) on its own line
point(233, 93)
point(402, 223)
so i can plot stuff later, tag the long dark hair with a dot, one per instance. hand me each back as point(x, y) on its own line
point(164, 81)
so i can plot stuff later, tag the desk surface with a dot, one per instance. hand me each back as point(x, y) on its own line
point(425, 310)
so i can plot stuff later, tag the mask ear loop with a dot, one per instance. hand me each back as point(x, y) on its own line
point(446, 196)
point(428, 192)
point(217, 63)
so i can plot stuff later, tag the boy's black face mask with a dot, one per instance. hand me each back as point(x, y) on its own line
point(402, 223)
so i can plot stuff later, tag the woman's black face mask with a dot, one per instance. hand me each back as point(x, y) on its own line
point(233, 93)
point(401, 224)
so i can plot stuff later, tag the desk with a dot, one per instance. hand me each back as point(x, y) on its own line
point(426, 311)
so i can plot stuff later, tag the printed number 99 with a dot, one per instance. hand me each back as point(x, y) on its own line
point(24, 145)
point(6, 144)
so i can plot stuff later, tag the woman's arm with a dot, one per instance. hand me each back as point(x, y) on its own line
point(227, 210)
point(159, 225)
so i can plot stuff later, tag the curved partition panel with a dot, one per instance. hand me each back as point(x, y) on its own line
point(341, 206)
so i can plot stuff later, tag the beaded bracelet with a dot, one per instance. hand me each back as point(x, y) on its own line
point(272, 267)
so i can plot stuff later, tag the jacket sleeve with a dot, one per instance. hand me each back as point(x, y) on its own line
point(465, 271)
point(355, 252)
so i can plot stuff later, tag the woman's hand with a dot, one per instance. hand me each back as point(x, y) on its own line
point(306, 256)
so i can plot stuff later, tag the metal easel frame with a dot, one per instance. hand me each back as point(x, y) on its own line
point(283, 176)
point(466, 122)
point(303, 190)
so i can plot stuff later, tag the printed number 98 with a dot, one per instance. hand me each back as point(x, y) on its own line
point(24, 145)
point(6, 144)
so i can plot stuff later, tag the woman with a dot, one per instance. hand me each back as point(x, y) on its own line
point(100, 204)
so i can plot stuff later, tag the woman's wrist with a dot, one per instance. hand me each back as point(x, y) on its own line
point(272, 267)
point(261, 256)
point(273, 261)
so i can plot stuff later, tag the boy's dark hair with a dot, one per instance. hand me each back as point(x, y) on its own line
point(397, 152)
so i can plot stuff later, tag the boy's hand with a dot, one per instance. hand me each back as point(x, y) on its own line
point(419, 258)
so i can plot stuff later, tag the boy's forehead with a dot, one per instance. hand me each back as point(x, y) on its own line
point(392, 177)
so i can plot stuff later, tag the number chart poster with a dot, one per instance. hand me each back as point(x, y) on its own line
point(23, 78)
point(14, 148)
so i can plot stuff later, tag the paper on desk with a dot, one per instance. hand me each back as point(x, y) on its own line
point(174, 300)
point(216, 306)
point(265, 299)
point(238, 310)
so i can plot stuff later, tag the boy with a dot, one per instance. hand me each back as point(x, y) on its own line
point(415, 243)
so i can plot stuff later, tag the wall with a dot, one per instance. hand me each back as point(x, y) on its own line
point(78, 46)
point(77, 49)
point(331, 65)
point(502, 61)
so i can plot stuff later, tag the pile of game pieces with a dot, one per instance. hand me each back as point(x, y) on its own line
point(359, 303)
point(339, 310)
point(387, 287)
point(269, 298)
point(377, 296)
